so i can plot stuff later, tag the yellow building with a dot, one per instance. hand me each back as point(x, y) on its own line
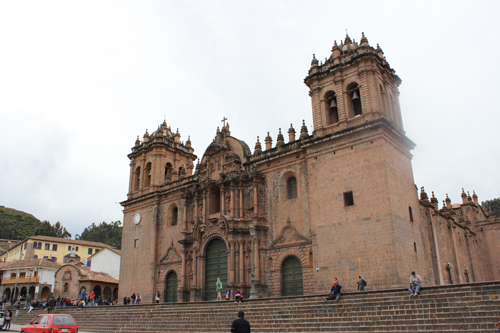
point(56, 249)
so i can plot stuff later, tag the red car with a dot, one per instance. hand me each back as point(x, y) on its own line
point(51, 323)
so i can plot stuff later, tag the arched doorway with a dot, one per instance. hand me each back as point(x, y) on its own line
point(97, 291)
point(24, 292)
point(6, 293)
point(171, 287)
point(32, 292)
point(45, 292)
point(107, 292)
point(115, 294)
point(216, 267)
point(292, 277)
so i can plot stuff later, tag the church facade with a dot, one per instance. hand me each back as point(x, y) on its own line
point(290, 217)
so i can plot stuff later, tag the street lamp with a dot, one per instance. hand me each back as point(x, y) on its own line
point(253, 294)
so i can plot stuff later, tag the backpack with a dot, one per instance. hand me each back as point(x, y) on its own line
point(364, 283)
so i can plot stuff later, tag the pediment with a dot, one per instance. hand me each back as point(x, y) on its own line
point(171, 257)
point(290, 237)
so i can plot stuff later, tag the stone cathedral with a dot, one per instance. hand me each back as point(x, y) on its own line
point(338, 201)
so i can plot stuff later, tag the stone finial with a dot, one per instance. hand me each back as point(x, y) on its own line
point(303, 131)
point(269, 142)
point(434, 201)
point(314, 61)
point(347, 39)
point(218, 130)
point(464, 196)
point(291, 134)
point(258, 147)
point(474, 197)
point(448, 202)
point(469, 198)
point(335, 50)
point(177, 136)
point(188, 142)
point(379, 51)
point(281, 140)
point(146, 136)
point(423, 195)
point(364, 40)
point(137, 142)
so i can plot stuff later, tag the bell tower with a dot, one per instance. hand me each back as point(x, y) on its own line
point(158, 159)
point(354, 85)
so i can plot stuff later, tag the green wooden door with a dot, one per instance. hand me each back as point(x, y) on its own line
point(216, 267)
point(292, 277)
point(171, 288)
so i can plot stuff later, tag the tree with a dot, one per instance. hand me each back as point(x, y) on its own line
point(56, 230)
point(107, 233)
point(494, 204)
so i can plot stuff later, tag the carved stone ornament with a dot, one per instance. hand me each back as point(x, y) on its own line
point(67, 275)
point(290, 237)
point(171, 257)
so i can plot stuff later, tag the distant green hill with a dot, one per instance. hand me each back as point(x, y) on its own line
point(15, 224)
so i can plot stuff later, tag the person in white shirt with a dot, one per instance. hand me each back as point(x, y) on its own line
point(415, 284)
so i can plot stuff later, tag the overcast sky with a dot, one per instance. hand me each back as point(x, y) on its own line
point(80, 80)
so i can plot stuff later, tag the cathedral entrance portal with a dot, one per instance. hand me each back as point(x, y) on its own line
point(292, 277)
point(216, 267)
point(171, 287)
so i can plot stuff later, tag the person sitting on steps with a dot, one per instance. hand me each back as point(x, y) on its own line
point(415, 284)
point(238, 296)
point(335, 292)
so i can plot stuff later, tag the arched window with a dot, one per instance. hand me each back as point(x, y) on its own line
point(182, 172)
point(214, 200)
point(35, 257)
point(66, 287)
point(168, 171)
point(291, 187)
point(174, 213)
point(355, 97)
point(332, 113)
point(137, 178)
point(147, 174)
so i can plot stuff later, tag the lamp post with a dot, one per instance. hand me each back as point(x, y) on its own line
point(28, 297)
point(253, 294)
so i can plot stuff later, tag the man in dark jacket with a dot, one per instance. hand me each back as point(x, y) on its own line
point(335, 293)
point(240, 325)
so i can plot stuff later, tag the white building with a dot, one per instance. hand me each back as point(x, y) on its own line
point(35, 275)
point(106, 261)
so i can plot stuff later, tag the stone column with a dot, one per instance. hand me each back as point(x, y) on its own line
point(241, 203)
point(231, 262)
point(457, 260)
point(256, 258)
point(195, 266)
point(196, 208)
point(222, 202)
point(255, 200)
point(183, 269)
point(232, 202)
point(185, 214)
point(242, 266)
point(204, 198)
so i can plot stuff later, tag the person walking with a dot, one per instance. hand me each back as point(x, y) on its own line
point(92, 298)
point(17, 307)
point(218, 289)
point(240, 325)
point(138, 299)
point(415, 284)
point(157, 297)
point(52, 305)
point(8, 318)
point(133, 298)
point(361, 284)
point(335, 291)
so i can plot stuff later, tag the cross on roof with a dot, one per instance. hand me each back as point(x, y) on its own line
point(224, 121)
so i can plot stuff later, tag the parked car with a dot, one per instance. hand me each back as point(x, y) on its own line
point(2, 320)
point(51, 323)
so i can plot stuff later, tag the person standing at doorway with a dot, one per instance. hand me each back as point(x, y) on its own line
point(218, 288)
point(157, 297)
point(240, 325)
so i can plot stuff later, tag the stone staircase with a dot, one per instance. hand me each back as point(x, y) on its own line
point(458, 308)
